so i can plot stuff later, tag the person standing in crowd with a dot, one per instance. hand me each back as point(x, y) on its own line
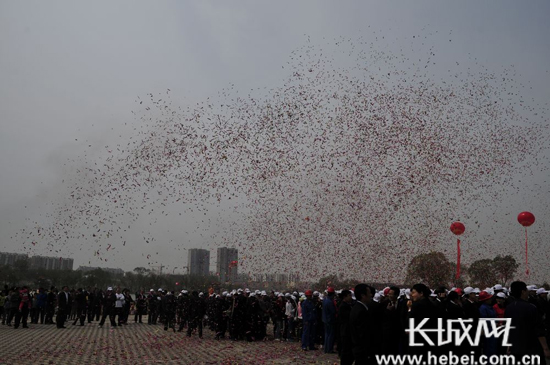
point(64, 305)
point(391, 322)
point(278, 317)
point(2, 306)
point(329, 320)
point(500, 305)
point(141, 306)
point(183, 306)
point(50, 305)
point(80, 300)
point(108, 303)
point(152, 307)
point(119, 306)
point(361, 329)
point(169, 310)
point(309, 318)
point(486, 310)
point(345, 343)
point(41, 303)
point(421, 308)
point(14, 300)
point(527, 334)
point(128, 303)
point(291, 314)
point(25, 305)
point(196, 313)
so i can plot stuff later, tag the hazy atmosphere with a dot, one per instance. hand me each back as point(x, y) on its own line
point(316, 137)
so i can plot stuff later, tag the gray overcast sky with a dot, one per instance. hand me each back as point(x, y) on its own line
point(70, 72)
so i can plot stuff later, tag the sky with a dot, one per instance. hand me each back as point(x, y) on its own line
point(72, 75)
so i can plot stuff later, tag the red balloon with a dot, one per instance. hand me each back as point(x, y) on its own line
point(457, 228)
point(526, 218)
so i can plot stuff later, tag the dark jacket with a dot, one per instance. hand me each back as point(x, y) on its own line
point(64, 301)
point(362, 332)
point(527, 326)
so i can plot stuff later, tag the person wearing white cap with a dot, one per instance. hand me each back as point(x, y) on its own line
point(108, 303)
point(500, 305)
point(291, 316)
point(182, 309)
point(470, 305)
point(197, 310)
point(527, 332)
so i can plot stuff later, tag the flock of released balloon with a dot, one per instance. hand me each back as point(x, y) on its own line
point(339, 169)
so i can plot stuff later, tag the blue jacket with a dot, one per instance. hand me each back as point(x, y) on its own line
point(329, 311)
point(486, 311)
point(308, 311)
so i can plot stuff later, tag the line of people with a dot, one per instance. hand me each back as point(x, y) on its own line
point(356, 324)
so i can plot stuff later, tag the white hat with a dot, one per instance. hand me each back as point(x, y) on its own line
point(228, 295)
point(531, 287)
point(201, 294)
point(247, 290)
point(376, 297)
point(541, 291)
point(160, 289)
point(477, 291)
point(316, 293)
point(292, 297)
point(252, 294)
point(497, 287)
point(239, 291)
point(501, 295)
point(280, 295)
point(468, 290)
point(264, 293)
point(109, 288)
point(151, 290)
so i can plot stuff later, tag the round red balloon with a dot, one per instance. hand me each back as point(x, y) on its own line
point(526, 218)
point(457, 228)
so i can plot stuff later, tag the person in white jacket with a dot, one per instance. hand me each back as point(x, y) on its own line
point(291, 314)
point(119, 306)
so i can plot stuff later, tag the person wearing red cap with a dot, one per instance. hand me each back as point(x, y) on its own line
point(329, 320)
point(486, 310)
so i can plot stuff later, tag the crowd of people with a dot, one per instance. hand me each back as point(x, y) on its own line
point(356, 324)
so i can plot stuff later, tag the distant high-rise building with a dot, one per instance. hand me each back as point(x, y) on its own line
point(51, 263)
point(198, 261)
point(227, 264)
point(107, 269)
point(8, 258)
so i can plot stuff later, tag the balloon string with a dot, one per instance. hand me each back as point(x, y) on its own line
point(526, 254)
point(457, 259)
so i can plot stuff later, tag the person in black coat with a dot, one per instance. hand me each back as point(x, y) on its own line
point(361, 326)
point(81, 303)
point(169, 309)
point(64, 304)
point(391, 322)
point(344, 340)
point(527, 333)
point(422, 308)
point(197, 309)
point(108, 302)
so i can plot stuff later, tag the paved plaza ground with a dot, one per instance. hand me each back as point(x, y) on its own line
point(141, 344)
